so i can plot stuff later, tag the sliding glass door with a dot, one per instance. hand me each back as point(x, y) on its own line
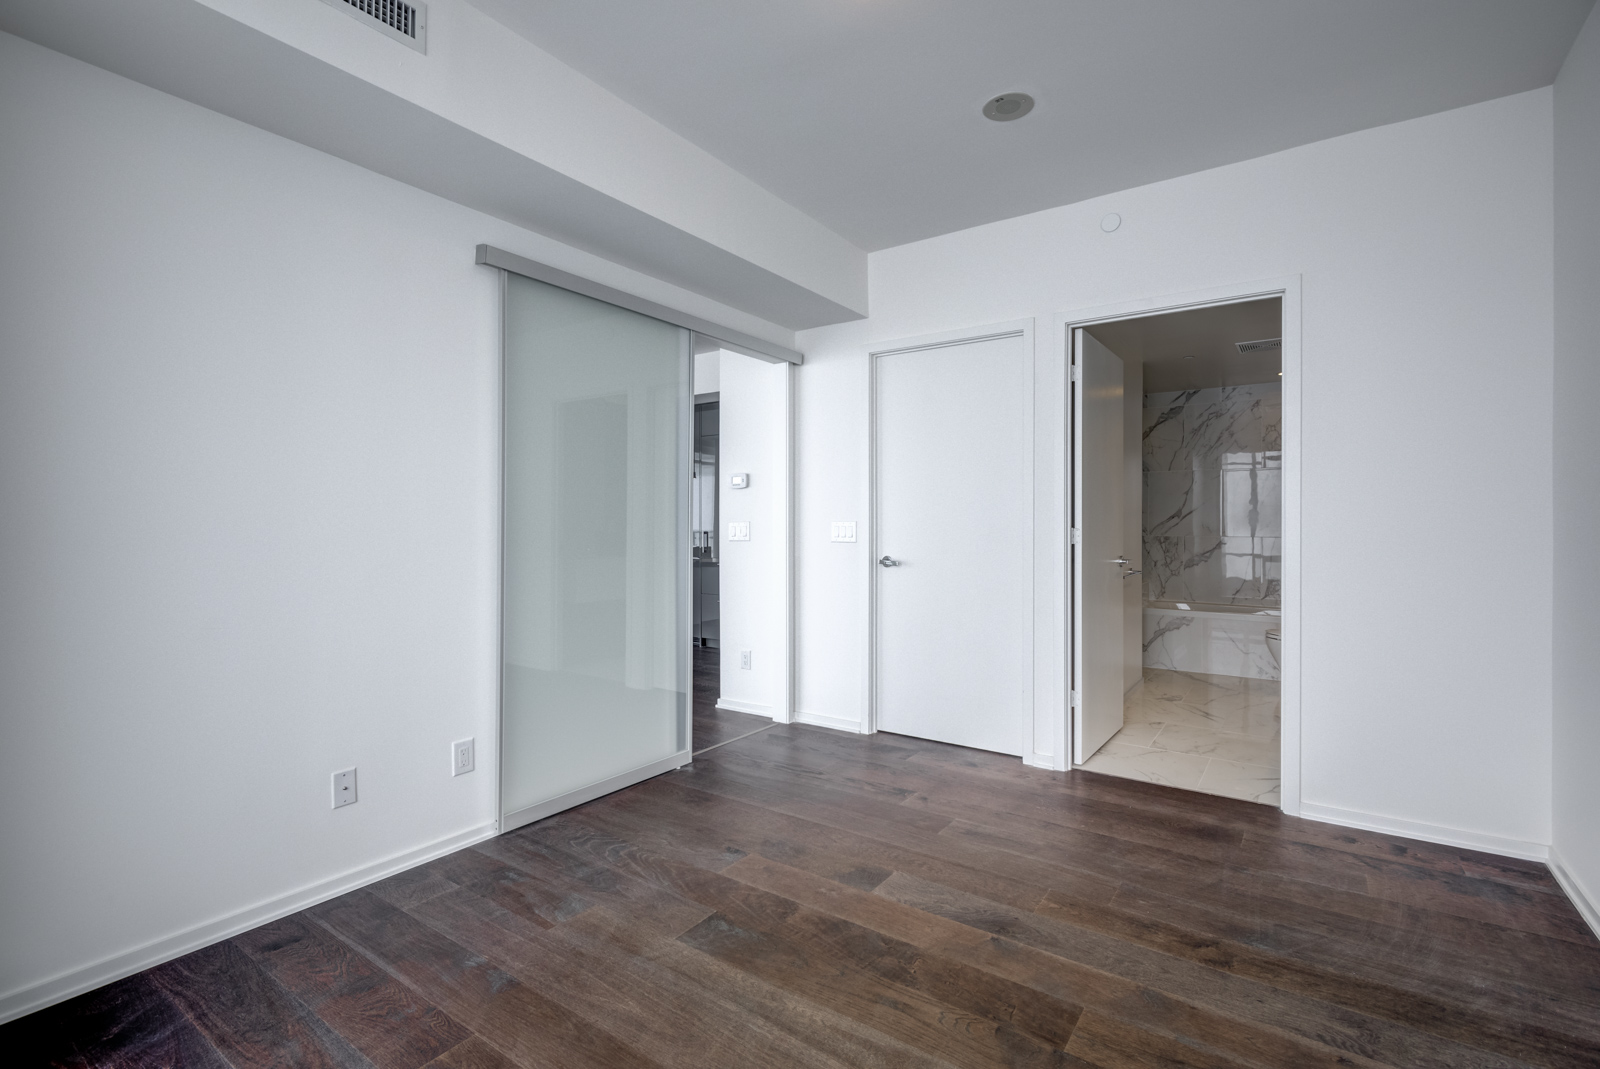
point(596, 602)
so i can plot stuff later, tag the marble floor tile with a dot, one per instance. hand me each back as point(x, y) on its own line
point(1250, 782)
point(1215, 734)
point(1153, 766)
point(1228, 745)
point(1140, 734)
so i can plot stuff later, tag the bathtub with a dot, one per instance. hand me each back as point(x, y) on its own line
point(1223, 640)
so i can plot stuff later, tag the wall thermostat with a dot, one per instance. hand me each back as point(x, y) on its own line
point(739, 480)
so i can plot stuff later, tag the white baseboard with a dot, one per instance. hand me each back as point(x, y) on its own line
point(17, 1003)
point(1587, 904)
point(1430, 833)
point(822, 721)
point(755, 708)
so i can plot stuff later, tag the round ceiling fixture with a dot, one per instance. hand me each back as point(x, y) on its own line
point(1111, 222)
point(1008, 106)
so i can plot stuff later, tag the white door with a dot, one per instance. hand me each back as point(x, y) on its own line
point(954, 539)
point(1101, 558)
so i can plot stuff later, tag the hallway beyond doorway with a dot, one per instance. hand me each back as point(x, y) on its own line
point(1208, 733)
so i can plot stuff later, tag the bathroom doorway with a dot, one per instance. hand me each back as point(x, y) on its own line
point(1179, 547)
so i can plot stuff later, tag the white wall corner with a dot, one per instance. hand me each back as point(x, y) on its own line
point(1583, 899)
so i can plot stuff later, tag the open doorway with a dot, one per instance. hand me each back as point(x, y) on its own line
point(739, 516)
point(1178, 567)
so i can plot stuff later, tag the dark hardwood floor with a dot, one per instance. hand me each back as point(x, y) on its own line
point(713, 726)
point(804, 898)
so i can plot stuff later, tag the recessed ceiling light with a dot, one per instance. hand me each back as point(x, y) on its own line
point(1008, 106)
point(1189, 358)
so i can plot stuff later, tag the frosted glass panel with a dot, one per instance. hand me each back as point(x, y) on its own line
point(596, 604)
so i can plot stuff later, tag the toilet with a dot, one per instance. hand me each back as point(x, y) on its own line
point(1273, 638)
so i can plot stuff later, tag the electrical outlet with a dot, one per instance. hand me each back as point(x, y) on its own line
point(461, 759)
point(744, 659)
point(344, 788)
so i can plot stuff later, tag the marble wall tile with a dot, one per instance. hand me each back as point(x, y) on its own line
point(1163, 432)
point(1213, 495)
point(1229, 644)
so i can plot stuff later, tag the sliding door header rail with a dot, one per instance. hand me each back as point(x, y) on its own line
point(736, 340)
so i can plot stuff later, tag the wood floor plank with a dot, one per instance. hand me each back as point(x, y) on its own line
point(472, 1054)
point(822, 900)
point(380, 1017)
point(1372, 1037)
point(250, 1019)
point(1191, 1026)
point(834, 1035)
point(129, 1024)
point(543, 854)
point(828, 841)
point(848, 968)
point(1114, 1044)
point(684, 1026)
point(1416, 959)
point(522, 1024)
point(1536, 1044)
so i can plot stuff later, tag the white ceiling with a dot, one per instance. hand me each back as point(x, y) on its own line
point(1198, 348)
point(865, 113)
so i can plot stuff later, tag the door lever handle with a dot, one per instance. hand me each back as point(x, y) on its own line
point(1124, 561)
point(888, 562)
point(1130, 571)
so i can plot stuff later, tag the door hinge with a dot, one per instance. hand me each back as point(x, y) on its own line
point(1074, 536)
point(1072, 372)
point(1072, 698)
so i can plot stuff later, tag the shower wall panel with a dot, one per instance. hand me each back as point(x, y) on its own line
point(1213, 480)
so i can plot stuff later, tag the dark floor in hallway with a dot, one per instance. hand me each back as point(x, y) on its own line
point(713, 726)
point(805, 898)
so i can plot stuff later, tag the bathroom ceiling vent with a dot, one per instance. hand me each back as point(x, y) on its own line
point(1264, 345)
point(405, 22)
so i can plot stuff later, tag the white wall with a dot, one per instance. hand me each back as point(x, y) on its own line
point(1576, 850)
point(248, 454)
point(753, 575)
point(707, 372)
point(1425, 253)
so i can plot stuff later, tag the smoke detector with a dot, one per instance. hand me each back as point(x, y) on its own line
point(1262, 346)
point(1008, 106)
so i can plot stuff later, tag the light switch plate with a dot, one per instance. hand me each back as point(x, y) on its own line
point(344, 788)
point(739, 480)
point(739, 531)
point(844, 530)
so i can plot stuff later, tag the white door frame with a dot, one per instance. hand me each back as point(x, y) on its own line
point(1060, 434)
point(945, 339)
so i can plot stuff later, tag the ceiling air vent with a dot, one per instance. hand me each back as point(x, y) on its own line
point(405, 22)
point(1261, 346)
